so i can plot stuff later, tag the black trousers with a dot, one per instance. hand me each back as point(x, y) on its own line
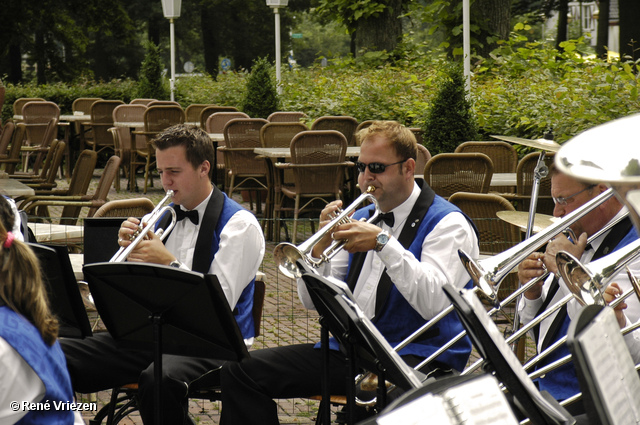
point(249, 387)
point(97, 364)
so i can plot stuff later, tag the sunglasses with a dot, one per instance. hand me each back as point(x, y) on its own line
point(375, 167)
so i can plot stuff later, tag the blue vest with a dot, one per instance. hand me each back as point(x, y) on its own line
point(398, 319)
point(562, 382)
point(243, 311)
point(47, 362)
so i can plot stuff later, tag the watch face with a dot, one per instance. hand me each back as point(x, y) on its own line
point(383, 238)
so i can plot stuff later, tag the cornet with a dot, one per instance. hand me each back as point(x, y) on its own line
point(146, 225)
point(286, 254)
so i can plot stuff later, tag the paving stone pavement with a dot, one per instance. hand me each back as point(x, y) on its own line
point(285, 321)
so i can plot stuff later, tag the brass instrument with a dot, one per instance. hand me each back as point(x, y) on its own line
point(488, 274)
point(146, 225)
point(286, 254)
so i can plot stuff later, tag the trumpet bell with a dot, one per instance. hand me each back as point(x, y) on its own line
point(286, 255)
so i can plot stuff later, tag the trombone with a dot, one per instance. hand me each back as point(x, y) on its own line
point(286, 254)
point(488, 274)
point(146, 224)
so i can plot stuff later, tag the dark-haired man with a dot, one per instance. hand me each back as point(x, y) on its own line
point(216, 236)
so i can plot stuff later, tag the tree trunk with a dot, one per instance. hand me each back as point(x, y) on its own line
point(210, 44)
point(629, 28)
point(41, 58)
point(380, 32)
point(15, 63)
point(563, 23)
point(602, 40)
point(494, 20)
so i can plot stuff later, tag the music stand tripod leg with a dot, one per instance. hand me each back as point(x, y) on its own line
point(156, 319)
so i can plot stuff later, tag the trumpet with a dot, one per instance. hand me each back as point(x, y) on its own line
point(146, 224)
point(286, 254)
point(488, 274)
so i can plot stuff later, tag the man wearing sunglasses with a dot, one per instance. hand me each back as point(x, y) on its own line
point(568, 195)
point(395, 268)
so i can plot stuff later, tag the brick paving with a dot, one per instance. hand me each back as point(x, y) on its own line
point(285, 321)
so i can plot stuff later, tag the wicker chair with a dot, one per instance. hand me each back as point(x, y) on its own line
point(20, 102)
point(193, 111)
point(40, 122)
point(280, 134)
point(215, 125)
point(122, 138)
point(46, 181)
point(156, 119)
point(245, 171)
point(422, 158)
point(144, 102)
point(72, 205)
point(163, 103)
point(134, 207)
point(363, 125)
point(82, 105)
point(344, 124)
point(12, 139)
point(286, 116)
point(78, 186)
point(502, 154)
point(210, 110)
point(101, 122)
point(318, 164)
point(448, 173)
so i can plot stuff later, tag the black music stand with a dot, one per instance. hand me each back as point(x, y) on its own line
point(165, 310)
point(608, 379)
point(62, 288)
point(539, 406)
point(345, 320)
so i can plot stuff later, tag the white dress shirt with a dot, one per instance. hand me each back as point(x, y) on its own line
point(239, 253)
point(528, 308)
point(420, 281)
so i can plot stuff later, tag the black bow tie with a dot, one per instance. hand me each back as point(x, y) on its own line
point(182, 214)
point(387, 218)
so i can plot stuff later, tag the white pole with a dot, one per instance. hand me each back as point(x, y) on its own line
point(172, 81)
point(466, 46)
point(278, 55)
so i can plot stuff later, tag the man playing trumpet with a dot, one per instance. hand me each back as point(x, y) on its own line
point(395, 268)
point(568, 195)
point(218, 237)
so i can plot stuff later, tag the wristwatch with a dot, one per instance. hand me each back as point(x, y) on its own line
point(175, 263)
point(381, 240)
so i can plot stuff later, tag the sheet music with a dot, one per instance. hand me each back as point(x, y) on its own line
point(476, 402)
point(508, 354)
point(480, 402)
point(612, 368)
point(426, 410)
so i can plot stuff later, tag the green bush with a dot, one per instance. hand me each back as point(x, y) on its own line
point(523, 90)
point(151, 84)
point(450, 121)
point(261, 96)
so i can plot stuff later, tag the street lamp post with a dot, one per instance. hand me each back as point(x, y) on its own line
point(171, 10)
point(276, 5)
